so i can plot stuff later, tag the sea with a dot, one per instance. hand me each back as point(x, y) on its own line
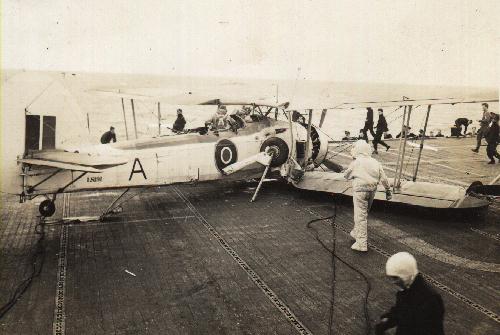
point(89, 103)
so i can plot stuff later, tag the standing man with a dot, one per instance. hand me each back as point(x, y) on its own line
point(366, 173)
point(368, 124)
point(381, 129)
point(419, 309)
point(483, 126)
point(462, 121)
point(492, 137)
point(109, 136)
point(180, 122)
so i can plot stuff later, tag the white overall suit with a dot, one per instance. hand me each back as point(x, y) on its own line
point(365, 173)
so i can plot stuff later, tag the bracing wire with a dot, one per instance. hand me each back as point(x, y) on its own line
point(151, 110)
point(392, 112)
point(344, 148)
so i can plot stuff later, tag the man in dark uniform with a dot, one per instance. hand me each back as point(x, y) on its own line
point(368, 124)
point(180, 122)
point(381, 129)
point(419, 308)
point(484, 123)
point(492, 138)
point(108, 136)
point(462, 121)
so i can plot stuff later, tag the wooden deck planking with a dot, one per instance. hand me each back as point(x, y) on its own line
point(187, 283)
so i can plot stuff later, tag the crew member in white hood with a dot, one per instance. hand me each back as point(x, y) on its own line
point(366, 173)
point(419, 309)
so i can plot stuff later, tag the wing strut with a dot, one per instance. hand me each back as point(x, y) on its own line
point(404, 135)
point(422, 142)
point(159, 119)
point(308, 142)
point(125, 119)
point(31, 189)
point(133, 114)
point(399, 150)
point(292, 140)
point(61, 190)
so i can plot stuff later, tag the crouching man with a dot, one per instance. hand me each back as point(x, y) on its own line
point(419, 309)
point(366, 173)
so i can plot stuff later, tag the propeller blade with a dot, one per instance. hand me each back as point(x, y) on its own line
point(323, 114)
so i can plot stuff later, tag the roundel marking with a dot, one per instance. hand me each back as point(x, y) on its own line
point(225, 154)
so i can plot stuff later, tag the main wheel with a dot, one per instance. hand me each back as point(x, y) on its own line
point(279, 148)
point(47, 208)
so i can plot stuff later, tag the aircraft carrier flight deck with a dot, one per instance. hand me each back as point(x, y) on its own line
point(203, 259)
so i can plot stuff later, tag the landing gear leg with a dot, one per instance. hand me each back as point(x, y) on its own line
point(270, 153)
point(115, 206)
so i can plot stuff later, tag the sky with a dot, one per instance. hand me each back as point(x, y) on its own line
point(446, 42)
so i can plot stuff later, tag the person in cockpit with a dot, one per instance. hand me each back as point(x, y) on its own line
point(218, 121)
point(237, 120)
point(246, 111)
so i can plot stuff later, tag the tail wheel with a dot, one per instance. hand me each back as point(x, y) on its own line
point(47, 208)
point(279, 149)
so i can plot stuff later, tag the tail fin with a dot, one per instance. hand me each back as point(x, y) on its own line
point(12, 140)
point(38, 113)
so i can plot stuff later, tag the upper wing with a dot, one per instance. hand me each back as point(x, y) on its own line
point(189, 98)
point(178, 98)
point(411, 102)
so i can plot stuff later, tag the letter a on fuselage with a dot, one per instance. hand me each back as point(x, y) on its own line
point(141, 170)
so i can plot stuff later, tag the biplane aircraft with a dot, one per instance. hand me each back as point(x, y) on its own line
point(410, 192)
point(267, 142)
point(244, 150)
